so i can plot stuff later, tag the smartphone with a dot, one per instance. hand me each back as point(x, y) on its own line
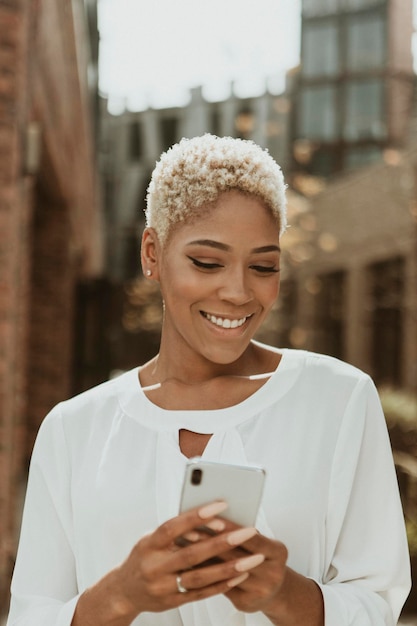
point(240, 486)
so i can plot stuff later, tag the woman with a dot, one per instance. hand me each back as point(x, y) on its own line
point(99, 543)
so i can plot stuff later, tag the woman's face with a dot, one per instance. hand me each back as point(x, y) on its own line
point(219, 277)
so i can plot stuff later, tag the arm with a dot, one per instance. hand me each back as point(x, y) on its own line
point(44, 586)
point(284, 596)
point(366, 576)
point(45, 589)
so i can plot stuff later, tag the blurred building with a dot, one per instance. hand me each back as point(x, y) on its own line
point(351, 269)
point(355, 83)
point(352, 251)
point(50, 223)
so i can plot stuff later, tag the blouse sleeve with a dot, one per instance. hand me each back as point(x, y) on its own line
point(368, 570)
point(44, 587)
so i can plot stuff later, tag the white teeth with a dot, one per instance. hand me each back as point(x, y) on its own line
point(225, 323)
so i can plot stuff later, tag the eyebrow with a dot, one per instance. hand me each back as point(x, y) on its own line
point(223, 246)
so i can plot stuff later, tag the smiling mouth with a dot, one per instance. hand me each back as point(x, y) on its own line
point(225, 322)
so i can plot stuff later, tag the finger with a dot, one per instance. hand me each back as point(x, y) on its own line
point(184, 523)
point(234, 572)
point(194, 555)
point(202, 593)
point(273, 549)
point(227, 583)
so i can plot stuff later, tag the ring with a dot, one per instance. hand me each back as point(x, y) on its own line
point(180, 587)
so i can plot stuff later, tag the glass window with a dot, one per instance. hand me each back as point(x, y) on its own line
point(320, 7)
point(317, 117)
point(356, 157)
point(329, 325)
point(215, 120)
point(366, 42)
point(387, 296)
point(320, 55)
point(169, 131)
point(365, 110)
point(130, 254)
point(135, 141)
point(360, 4)
point(325, 161)
point(245, 122)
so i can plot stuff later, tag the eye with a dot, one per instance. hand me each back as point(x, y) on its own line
point(265, 269)
point(204, 266)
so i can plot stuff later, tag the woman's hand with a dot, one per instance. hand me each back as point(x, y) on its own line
point(159, 574)
point(285, 597)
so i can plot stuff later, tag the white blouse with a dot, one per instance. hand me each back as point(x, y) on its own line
point(107, 468)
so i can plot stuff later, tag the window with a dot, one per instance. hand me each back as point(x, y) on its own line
point(135, 141)
point(245, 122)
point(366, 42)
point(361, 4)
point(365, 110)
point(130, 253)
point(169, 131)
point(286, 311)
point(356, 157)
point(329, 314)
point(320, 7)
point(215, 120)
point(318, 113)
point(325, 161)
point(387, 294)
point(320, 54)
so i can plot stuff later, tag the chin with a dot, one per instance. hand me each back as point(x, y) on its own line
point(224, 357)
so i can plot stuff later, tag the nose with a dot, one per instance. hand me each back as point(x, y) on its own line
point(235, 287)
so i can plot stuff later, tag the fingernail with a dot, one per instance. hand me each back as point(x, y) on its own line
point(216, 524)
point(249, 562)
point(241, 535)
point(233, 582)
point(214, 508)
point(192, 536)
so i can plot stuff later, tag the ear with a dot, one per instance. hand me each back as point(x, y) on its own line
point(150, 254)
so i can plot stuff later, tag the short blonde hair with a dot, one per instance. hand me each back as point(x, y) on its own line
point(194, 172)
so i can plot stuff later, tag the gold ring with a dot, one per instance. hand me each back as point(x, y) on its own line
point(180, 587)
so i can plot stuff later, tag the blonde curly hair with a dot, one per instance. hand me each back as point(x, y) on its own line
point(194, 172)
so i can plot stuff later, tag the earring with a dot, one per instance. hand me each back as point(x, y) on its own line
point(148, 272)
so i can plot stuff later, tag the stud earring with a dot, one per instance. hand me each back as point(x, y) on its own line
point(148, 272)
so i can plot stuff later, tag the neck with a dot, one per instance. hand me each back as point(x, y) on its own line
point(193, 369)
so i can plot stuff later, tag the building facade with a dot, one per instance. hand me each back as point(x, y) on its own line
point(50, 225)
point(352, 250)
point(351, 268)
point(355, 82)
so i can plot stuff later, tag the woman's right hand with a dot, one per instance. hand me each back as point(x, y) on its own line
point(151, 577)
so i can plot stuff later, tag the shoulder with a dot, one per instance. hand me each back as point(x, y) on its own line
point(318, 377)
point(325, 364)
point(327, 382)
point(99, 403)
point(313, 362)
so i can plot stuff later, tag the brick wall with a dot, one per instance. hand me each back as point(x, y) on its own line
point(50, 228)
point(15, 193)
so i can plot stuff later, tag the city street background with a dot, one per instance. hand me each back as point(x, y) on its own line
point(91, 93)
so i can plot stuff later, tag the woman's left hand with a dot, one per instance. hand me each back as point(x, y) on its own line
point(282, 594)
point(265, 581)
